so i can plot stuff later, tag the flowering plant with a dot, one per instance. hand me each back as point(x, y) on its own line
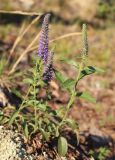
point(34, 114)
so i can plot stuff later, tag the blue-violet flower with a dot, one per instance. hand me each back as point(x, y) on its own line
point(43, 50)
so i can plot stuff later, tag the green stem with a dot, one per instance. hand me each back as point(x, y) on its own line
point(73, 95)
point(79, 72)
point(35, 109)
point(22, 105)
point(67, 111)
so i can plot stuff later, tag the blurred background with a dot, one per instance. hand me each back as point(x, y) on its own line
point(67, 16)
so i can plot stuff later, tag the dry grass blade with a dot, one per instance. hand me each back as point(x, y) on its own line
point(58, 38)
point(16, 41)
point(21, 13)
point(21, 34)
point(24, 53)
point(65, 36)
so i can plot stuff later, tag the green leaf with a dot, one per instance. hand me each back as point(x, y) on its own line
point(17, 93)
point(57, 132)
point(26, 130)
point(39, 105)
point(13, 117)
point(68, 83)
point(70, 62)
point(46, 120)
point(61, 111)
point(71, 123)
point(33, 102)
point(62, 146)
point(1, 118)
point(2, 65)
point(28, 81)
point(45, 134)
point(86, 96)
point(87, 71)
point(32, 92)
point(59, 76)
point(4, 120)
point(49, 128)
point(42, 107)
point(99, 70)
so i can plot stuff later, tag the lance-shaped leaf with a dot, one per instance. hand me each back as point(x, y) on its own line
point(87, 71)
point(86, 96)
point(62, 146)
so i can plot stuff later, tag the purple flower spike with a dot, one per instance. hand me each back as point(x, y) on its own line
point(43, 51)
point(48, 69)
point(43, 42)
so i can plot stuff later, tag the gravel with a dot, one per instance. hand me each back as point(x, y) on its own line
point(12, 146)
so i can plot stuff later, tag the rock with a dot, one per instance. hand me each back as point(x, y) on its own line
point(74, 9)
point(99, 141)
point(97, 138)
point(66, 10)
point(26, 4)
point(3, 99)
point(11, 146)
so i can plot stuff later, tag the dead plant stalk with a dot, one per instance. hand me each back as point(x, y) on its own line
point(21, 35)
point(23, 54)
point(21, 13)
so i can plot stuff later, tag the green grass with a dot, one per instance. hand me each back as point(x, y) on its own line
point(100, 154)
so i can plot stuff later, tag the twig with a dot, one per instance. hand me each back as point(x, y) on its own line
point(21, 13)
